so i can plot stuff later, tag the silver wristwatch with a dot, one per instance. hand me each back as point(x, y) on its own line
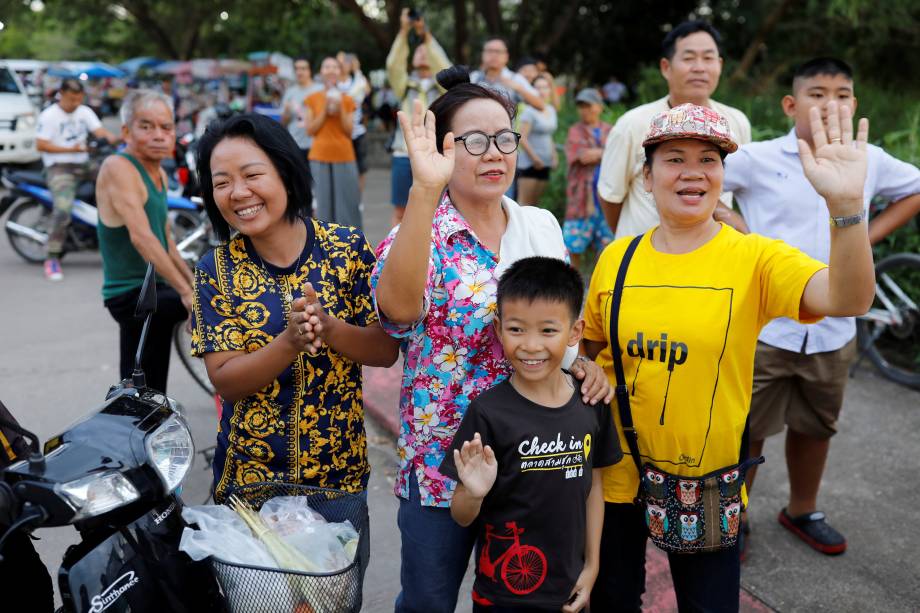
point(849, 220)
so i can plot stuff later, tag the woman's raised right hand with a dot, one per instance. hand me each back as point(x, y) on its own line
point(430, 169)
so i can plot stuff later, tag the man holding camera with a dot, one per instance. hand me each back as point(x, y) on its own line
point(427, 60)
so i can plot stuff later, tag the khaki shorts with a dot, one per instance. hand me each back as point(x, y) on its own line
point(804, 392)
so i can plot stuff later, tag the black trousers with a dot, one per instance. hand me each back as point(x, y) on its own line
point(702, 581)
point(155, 359)
point(25, 584)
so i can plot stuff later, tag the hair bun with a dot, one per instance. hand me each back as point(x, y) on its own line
point(455, 75)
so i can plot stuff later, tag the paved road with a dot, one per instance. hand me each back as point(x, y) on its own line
point(59, 356)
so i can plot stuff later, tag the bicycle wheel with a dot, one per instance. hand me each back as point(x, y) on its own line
point(524, 570)
point(35, 222)
point(889, 334)
point(193, 235)
point(182, 341)
point(183, 223)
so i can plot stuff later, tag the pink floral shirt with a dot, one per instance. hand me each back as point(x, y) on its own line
point(452, 353)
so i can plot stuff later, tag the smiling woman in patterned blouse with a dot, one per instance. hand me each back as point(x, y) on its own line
point(283, 317)
point(435, 289)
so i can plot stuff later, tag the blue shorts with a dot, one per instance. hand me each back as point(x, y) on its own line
point(400, 181)
point(579, 234)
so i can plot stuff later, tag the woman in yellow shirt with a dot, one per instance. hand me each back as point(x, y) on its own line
point(695, 296)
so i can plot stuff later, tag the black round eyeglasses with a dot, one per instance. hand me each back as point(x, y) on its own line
point(477, 143)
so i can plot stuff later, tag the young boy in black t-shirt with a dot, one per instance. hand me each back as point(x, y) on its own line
point(528, 454)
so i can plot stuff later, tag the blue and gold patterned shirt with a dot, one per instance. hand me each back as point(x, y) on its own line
point(307, 426)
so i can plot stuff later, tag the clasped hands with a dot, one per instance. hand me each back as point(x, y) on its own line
point(308, 323)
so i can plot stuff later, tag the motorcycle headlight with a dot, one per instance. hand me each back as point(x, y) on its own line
point(170, 451)
point(26, 121)
point(99, 493)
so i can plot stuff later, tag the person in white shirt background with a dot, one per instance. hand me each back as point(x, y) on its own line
point(494, 73)
point(800, 370)
point(537, 153)
point(61, 138)
point(356, 85)
point(691, 63)
point(292, 104)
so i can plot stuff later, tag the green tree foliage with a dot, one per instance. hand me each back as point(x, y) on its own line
point(177, 29)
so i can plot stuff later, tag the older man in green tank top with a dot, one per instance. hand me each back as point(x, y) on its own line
point(133, 230)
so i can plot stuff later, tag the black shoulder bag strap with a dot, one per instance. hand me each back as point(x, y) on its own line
point(622, 392)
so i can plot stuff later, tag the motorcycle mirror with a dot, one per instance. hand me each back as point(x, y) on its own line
point(35, 458)
point(147, 299)
point(146, 307)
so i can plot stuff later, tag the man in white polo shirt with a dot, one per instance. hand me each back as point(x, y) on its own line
point(691, 64)
point(800, 370)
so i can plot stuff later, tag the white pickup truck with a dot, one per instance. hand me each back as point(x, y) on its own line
point(18, 117)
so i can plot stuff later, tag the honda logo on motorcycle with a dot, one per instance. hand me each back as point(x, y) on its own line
point(112, 593)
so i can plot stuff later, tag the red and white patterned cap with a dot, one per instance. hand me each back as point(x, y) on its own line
point(691, 121)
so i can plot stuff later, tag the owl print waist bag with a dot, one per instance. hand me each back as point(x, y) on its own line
point(683, 514)
point(693, 514)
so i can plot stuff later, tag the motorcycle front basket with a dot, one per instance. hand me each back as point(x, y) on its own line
point(253, 589)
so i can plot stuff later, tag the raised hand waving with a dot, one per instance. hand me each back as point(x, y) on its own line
point(837, 168)
point(430, 168)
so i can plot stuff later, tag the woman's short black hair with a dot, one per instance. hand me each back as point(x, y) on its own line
point(542, 278)
point(280, 147)
point(456, 80)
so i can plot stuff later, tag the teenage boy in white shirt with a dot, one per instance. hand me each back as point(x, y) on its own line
point(800, 370)
point(61, 137)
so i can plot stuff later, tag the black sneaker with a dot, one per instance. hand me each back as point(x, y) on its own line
point(814, 530)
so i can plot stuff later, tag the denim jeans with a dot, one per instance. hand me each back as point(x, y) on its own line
point(435, 554)
point(702, 581)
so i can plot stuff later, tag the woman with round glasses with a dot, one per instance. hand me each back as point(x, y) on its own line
point(434, 285)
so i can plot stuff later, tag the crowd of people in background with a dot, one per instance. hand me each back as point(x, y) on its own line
point(472, 154)
point(531, 87)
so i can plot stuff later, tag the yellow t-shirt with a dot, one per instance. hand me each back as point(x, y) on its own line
point(688, 328)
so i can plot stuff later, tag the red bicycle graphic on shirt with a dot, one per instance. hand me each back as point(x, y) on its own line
point(523, 567)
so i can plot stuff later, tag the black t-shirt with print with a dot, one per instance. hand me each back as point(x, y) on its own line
point(545, 456)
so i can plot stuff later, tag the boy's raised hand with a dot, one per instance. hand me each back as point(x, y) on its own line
point(476, 466)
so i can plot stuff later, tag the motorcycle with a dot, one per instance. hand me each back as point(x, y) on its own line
point(186, 162)
point(116, 477)
point(30, 204)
